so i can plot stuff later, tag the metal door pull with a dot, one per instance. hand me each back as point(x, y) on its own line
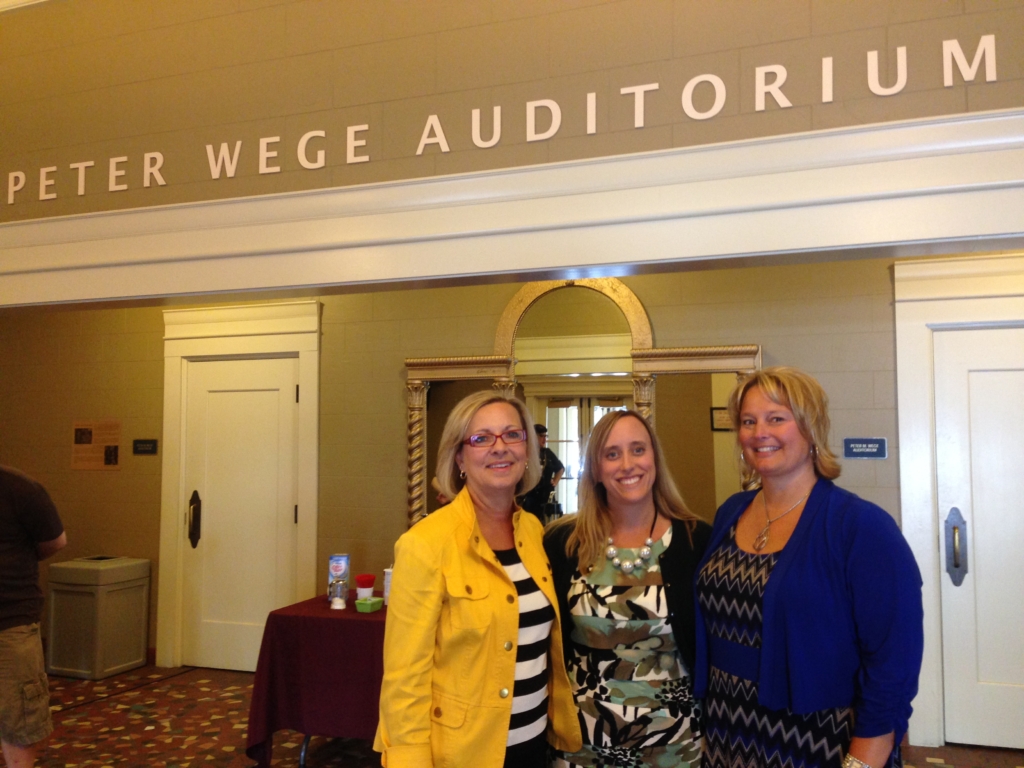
point(956, 546)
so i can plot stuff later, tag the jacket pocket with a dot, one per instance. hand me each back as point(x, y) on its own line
point(468, 603)
point(448, 743)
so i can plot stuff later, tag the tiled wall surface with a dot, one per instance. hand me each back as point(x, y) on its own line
point(90, 80)
point(61, 364)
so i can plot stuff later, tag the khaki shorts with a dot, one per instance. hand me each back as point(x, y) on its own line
point(24, 693)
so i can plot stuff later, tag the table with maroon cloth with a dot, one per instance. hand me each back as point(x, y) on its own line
point(319, 673)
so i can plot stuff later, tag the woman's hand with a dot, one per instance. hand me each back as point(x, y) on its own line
point(874, 751)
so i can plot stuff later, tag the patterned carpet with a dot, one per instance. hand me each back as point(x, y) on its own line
point(172, 718)
point(192, 718)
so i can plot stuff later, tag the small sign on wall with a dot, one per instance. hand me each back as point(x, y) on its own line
point(865, 448)
point(720, 421)
point(96, 444)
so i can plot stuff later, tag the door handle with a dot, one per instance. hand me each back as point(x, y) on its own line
point(195, 519)
point(956, 546)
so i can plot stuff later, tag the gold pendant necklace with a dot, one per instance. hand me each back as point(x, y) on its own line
point(762, 538)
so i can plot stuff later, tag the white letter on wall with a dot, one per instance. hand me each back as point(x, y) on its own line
point(826, 80)
point(15, 181)
point(433, 133)
point(591, 113)
point(531, 119)
point(901, 73)
point(152, 162)
point(951, 50)
point(223, 161)
point(638, 92)
point(761, 87)
point(45, 181)
point(81, 173)
point(115, 174)
point(266, 154)
point(351, 142)
point(495, 131)
point(719, 87)
point(321, 156)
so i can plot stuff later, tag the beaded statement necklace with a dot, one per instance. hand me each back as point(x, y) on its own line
point(629, 566)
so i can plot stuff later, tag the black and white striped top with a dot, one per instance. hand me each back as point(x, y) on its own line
point(530, 694)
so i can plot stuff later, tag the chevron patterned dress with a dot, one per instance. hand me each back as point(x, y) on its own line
point(739, 732)
point(634, 694)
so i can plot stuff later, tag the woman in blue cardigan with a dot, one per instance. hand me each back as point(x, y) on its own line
point(810, 624)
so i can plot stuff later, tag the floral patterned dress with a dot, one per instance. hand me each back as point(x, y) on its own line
point(634, 694)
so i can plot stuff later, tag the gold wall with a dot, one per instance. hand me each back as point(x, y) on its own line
point(61, 364)
point(90, 80)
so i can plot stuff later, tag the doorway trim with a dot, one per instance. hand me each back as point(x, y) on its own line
point(252, 331)
point(936, 295)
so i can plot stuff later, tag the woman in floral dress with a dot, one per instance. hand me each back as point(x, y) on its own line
point(623, 571)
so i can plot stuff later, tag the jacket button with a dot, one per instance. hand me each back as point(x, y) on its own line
point(520, 544)
point(476, 539)
point(510, 598)
point(437, 711)
point(503, 693)
point(508, 645)
point(469, 590)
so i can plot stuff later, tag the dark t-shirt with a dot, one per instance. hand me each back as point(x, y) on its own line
point(27, 518)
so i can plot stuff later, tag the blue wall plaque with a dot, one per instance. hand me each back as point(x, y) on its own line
point(865, 448)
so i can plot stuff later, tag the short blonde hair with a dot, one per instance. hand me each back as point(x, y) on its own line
point(457, 429)
point(804, 396)
point(593, 521)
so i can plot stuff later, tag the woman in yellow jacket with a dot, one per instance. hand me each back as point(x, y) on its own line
point(473, 664)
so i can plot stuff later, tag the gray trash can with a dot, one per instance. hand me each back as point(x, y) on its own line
point(98, 612)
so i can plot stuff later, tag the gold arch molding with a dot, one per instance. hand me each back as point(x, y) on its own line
point(616, 290)
point(499, 368)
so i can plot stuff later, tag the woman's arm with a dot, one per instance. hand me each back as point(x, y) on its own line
point(874, 751)
point(885, 589)
point(414, 609)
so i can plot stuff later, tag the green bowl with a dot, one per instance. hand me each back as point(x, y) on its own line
point(369, 604)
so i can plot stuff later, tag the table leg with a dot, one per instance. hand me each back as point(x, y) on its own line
point(302, 752)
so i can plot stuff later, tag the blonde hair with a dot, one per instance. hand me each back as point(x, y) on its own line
point(804, 396)
point(593, 522)
point(457, 429)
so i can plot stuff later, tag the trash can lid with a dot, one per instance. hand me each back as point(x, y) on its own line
point(97, 570)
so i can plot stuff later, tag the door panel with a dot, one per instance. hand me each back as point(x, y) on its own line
point(979, 409)
point(241, 420)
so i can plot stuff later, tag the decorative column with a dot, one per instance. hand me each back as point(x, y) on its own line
point(506, 387)
point(416, 438)
point(643, 396)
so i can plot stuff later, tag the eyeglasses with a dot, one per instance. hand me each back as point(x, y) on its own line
point(486, 439)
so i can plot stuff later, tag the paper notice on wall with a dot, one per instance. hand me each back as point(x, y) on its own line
point(96, 444)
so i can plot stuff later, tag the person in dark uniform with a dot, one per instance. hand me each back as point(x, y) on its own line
point(551, 472)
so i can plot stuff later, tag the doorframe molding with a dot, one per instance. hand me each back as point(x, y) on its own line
point(251, 331)
point(934, 296)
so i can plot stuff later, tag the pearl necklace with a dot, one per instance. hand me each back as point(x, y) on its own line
point(762, 538)
point(628, 566)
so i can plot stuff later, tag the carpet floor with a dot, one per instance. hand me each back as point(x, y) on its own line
point(192, 718)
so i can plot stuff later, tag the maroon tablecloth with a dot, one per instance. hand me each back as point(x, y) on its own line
point(319, 673)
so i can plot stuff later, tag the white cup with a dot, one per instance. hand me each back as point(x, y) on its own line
point(387, 585)
point(362, 592)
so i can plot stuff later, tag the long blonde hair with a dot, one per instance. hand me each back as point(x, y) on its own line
point(804, 396)
point(593, 522)
point(456, 430)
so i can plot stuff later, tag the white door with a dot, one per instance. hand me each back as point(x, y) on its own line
point(979, 416)
point(240, 457)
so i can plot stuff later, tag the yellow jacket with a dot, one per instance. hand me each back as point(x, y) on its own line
point(451, 613)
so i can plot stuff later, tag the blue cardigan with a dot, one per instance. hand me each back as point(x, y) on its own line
point(842, 615)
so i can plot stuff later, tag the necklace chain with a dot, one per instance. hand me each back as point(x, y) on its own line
point(629, 566)
point(762, 538)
